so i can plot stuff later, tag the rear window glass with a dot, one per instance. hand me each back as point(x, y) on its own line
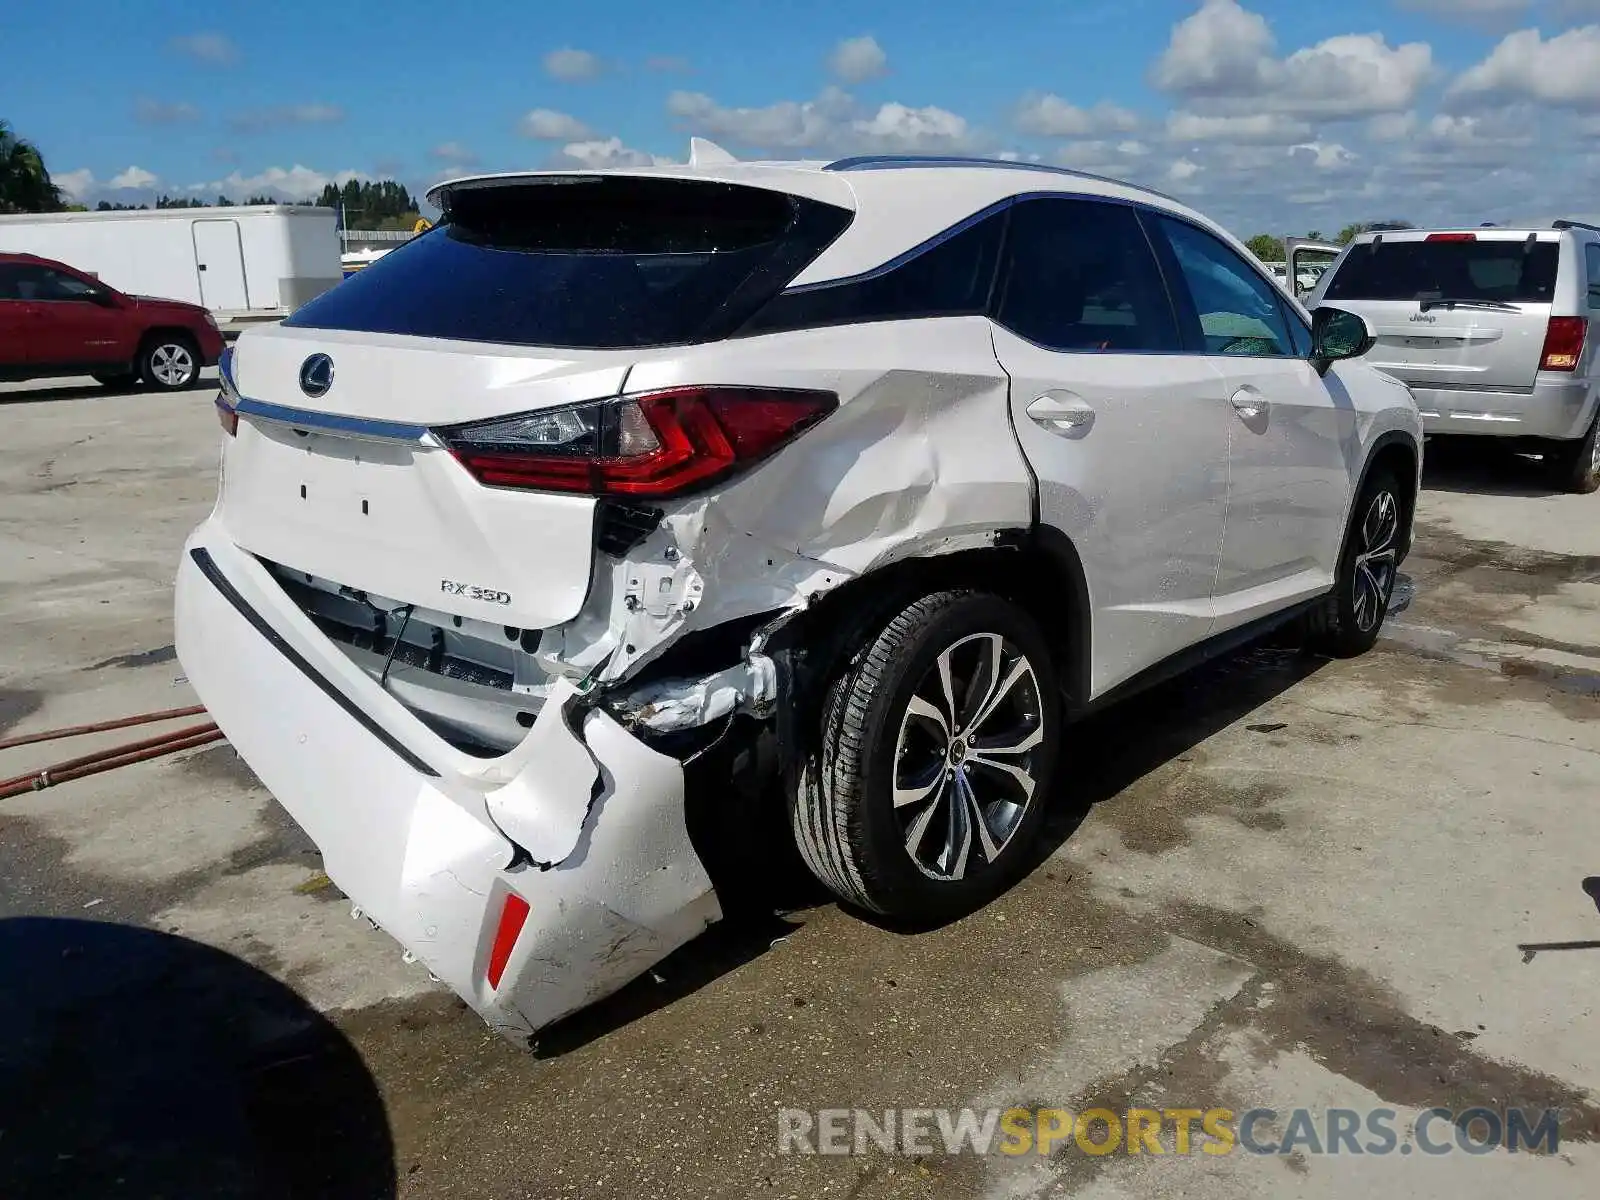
point(1516, 272)
point(586, 262)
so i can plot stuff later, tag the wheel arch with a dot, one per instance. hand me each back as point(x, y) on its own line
point(1399, 451)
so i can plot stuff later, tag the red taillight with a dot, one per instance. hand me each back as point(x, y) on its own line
point(512, 917)
point(1451, 237)
point(227, 417)
point(657, 444)
point(1563, 343)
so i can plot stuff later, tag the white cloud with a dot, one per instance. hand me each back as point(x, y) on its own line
point(214, 48)
point(548, 125)
point(1048, 115)
point(133, 177)
point(1265, 127)
point(788, 124)
point(595, 153)
point(255, 120)
point(76, 184)
point(453, 154)
point(1182, 170)
point(1563, 71)
point(858, 59)
point(572, 66)
point(1323, 156)
point(292, 183)
point(154, 112)
point(1223, 56)
point(1392, 127)
point(833, 121)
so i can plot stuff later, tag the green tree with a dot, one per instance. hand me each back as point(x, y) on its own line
point(380, 204)
point(25, 185)
point(1266, 247)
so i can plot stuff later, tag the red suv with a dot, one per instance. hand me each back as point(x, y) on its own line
point(55, 320)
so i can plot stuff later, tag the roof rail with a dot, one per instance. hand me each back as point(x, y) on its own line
point(1574, 225)
point(887, 162)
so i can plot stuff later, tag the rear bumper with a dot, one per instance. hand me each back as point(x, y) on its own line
point(1555, 408)
point(404, 821)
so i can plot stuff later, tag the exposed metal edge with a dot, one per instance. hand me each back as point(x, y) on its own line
point(208, 568)
point(335, 423)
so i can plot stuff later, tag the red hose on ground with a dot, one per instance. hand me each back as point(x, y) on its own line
point(112, 756)
point(50, 735)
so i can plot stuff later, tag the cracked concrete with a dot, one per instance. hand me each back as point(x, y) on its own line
point(1275, 882)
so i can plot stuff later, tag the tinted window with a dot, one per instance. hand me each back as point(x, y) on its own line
point(605, 262)
point(1080, 276)
point(1234, 309)
point(27, 281)
point(1591, 255)
point(953, 277)
point(1509, 271)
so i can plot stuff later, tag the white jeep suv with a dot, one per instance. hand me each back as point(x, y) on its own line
point(889, 467)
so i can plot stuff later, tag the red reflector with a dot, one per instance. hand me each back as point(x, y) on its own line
point(227, 417)
point(700, 434)
point(512, 917)
point(1563, 343)
point(1451, 237)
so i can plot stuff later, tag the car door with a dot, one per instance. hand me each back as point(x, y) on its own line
point(72, 327)
point(16, 318)
point(1291, 428)
point(1126, 434)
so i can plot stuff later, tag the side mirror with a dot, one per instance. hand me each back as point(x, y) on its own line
point(102, 298)
point(1337, 335)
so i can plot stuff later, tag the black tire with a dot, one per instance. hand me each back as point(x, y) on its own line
point(121, 381)
point(1575, 466)
point(1348, 621)
point(169, 362)
point(848, 828)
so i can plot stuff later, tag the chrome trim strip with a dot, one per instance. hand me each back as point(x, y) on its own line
point(332, 423)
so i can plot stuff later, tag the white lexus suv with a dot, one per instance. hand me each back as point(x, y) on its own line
point(873, 473)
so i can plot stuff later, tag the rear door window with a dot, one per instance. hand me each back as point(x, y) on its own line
point(1501, 270)
point(586, 262)
point(1591, 257)
point(1080, 276)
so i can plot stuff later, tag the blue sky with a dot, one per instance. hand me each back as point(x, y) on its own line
point(1269, 114)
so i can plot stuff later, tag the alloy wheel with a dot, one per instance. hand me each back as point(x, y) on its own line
point(964, 767)
point(172, 364)
point(1376, 560)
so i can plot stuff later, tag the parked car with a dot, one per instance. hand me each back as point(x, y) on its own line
point(1495, 329)
point(57, 321)
point(879, 472)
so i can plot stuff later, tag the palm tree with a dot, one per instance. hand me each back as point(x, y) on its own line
point(24, 182)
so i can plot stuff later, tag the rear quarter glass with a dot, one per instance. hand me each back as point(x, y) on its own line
point(588, 262)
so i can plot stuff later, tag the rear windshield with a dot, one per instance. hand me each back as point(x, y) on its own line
point(1519, 272)
point(586, 262)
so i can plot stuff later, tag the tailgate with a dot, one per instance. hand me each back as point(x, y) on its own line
point(352, 487)
point(1461, 310)
point(1463, 348)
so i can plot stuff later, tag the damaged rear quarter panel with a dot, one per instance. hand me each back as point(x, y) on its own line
point(919, 459)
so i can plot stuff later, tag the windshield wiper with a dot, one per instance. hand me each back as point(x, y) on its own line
point(1447, 302)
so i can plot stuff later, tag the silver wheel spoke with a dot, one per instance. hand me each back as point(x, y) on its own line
point(991, 851)
point(919, 792)
point(987, 670)
point(922, 709)
point(1019, 671)
point(919, 827)
point(1022, 745)
point(1023, 777)
point(958, 833)
point(948, 687)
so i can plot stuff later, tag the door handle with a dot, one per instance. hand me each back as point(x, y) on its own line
point(1062, 413)
point(1249, 404)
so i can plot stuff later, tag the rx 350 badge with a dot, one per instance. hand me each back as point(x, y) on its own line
point(488, 595)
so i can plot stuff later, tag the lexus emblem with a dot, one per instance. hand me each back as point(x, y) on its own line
point(316, 375)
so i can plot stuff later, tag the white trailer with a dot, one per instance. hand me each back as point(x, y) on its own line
point(252, 261)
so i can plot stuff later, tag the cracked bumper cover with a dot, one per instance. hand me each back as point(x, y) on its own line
point(421, 845)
